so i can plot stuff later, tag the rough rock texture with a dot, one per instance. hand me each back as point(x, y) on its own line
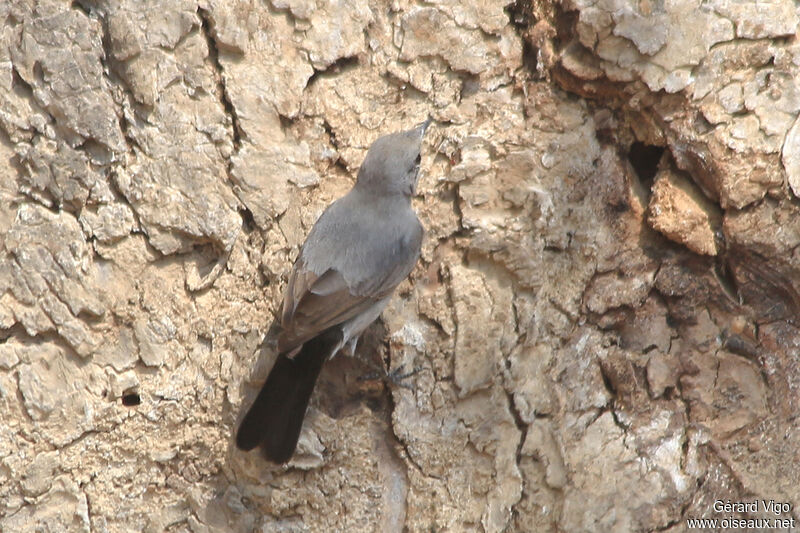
point(604, 315)
point(680, 211)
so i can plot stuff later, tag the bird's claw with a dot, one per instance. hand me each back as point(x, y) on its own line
point(395, 376)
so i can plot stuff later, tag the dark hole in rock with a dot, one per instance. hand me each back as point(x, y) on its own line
point(248, 219)
point(129, 399)
point(644, 159)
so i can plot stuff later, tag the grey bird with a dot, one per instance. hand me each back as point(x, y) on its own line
point(361, 247)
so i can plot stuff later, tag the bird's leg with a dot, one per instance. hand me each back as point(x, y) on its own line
point(399, 374)
point(394, 377)
point(380, 372)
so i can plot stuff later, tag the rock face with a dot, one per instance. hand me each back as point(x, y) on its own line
point(604, 315)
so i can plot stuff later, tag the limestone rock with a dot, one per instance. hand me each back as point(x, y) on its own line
point(491, 305)
point(533, 395)
point(621, 33)
point(680, 211)
point(52, 280)
point(64, 507)
point(777, 19)
point(55, 394)
point(177, 187)
point(60, 56)
point(337, 31)
point(791, 157)
point(430, 31)
point(588, 355)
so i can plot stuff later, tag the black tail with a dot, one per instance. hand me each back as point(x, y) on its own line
point(276, 417)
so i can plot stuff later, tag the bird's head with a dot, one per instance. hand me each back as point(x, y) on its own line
point(392, 163)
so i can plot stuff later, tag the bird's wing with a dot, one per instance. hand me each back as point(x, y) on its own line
point(314, 303)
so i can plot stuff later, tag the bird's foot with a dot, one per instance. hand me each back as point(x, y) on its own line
point(395, 377)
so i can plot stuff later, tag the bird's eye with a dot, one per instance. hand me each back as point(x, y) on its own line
point(415, 166)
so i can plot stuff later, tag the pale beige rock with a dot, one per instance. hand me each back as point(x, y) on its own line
point(63, 508)
point(608, 291)
point(132, 31)
point(430, 31)
point(768, 228)
point(38, 477)
point(741, 395)
point(177, 186)
point(752, 122)
point(51, 277)
point(59, 55)
point(482, 320)
point(791, 157)
point(153, 338)
point(674, 36)
point(55, 393)
point(109, 223)
point(755, 21)
point(681, 212)
point(532, 391)
point(337, 31)
point(272, 73)
point(475, 159)
point(267, 179)
point(648, 329)
point(662, 372)
point(488, 16)
point(738, 402)
point(541, 444)
point(65, 184)
point(586, 461)
point(162, 162)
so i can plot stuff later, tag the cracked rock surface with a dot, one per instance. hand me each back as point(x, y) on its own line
point(604, 314)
